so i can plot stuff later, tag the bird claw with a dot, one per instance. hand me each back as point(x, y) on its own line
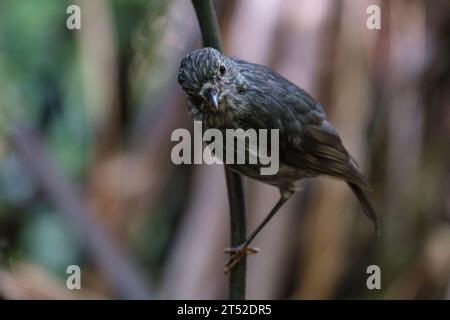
point(236, 254)
point(235, 250)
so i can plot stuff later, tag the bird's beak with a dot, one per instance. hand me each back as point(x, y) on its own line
point(213, 96)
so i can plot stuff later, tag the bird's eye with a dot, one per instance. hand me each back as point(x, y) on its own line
point(222, 69)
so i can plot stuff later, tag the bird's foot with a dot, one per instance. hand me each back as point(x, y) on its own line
point(236, 254)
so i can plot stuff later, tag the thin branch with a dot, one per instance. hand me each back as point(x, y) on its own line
point(237, 233)
point(209, 26)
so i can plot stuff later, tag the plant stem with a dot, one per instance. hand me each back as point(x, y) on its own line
point(236, 281)
point(209, 26)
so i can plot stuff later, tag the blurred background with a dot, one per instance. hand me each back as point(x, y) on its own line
point(86, 177)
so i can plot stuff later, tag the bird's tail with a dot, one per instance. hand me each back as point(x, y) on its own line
point(365, 204)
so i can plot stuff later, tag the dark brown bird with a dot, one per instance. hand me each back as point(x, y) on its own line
point(226, 93)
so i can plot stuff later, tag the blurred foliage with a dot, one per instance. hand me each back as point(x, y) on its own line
point(41, 85)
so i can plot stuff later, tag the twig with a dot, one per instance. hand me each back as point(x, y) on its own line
point(209, 26)
point(127, 279)
point(238, 233)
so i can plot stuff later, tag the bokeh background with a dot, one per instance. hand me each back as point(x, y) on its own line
point(85, 171)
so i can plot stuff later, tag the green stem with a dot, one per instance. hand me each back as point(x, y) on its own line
point(236, 281)
point(209, 26)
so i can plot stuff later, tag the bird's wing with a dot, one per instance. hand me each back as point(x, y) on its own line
point(318, 149)
point(307, 140)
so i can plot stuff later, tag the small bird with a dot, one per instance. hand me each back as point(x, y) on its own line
point(227, 93)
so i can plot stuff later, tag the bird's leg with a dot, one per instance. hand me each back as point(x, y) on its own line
point(238, 252)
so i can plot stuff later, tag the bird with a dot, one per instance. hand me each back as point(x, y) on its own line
point(229, 93)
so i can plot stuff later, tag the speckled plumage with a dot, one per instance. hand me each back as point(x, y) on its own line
point(254, 96)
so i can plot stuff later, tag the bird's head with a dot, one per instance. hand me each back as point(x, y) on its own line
point(205, 74)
